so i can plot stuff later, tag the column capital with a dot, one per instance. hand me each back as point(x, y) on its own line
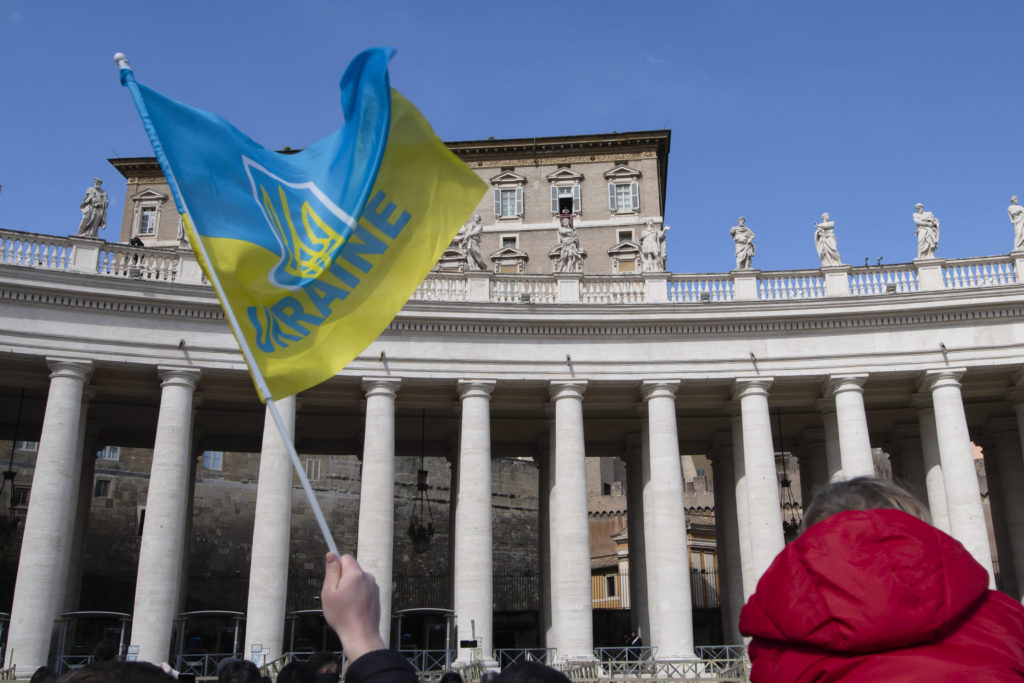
point(751, 386)
point(178, 376)
point(942, 377)
point(661, 388)
point(560, 389)
point(70, 368)
point(475, 388)
point(381, 386)
point(836, 384)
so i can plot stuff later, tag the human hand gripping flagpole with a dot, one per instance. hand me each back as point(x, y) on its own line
point(122, 63)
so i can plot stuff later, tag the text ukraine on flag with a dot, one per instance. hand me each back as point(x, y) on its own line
point(313, 253)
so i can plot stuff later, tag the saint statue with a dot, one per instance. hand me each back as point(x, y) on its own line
point(652, 247)
point(1016, 212)
point(927, 232)
point(470, 241)
point(570, 259)
point(744, 239)
point(825, 241)
point(94, 210)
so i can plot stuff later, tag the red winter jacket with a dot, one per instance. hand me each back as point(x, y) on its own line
point(879, 595)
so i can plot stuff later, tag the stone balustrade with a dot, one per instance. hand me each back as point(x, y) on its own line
point(168, 264)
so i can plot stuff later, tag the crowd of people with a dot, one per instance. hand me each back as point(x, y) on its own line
point(870, 591)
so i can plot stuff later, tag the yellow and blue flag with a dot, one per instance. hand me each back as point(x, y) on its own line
point(312, 254)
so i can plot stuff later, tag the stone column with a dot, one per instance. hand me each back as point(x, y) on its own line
point(907, 444)
point(742, 504)
point(730, 571)
point(854, 441)
point(666, 528)
point(830, 425)
point(764, 509)
point(375, 542)
point(551, 635)
point(543, 460)
point(816, 454)
point(570, 532)
point(44, 546)
point(1011, 467)
point(473, 570)
point(1000, 443)
point(86, 459)
point(648, 560)
point(163, 537)
point(934, 482)
point(963, 497)
point(271, 538)
point(638, 600)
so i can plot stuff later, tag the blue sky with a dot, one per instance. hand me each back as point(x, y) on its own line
point(778, 110)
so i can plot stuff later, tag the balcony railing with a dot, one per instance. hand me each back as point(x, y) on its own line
point(179, 265)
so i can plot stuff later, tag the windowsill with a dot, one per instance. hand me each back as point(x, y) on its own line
point(509, 219)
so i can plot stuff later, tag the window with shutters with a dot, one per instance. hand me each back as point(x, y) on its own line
point(623, 189)
point(565, 190)
point(508, 195)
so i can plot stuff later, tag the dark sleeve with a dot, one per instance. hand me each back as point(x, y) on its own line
point(381, 666)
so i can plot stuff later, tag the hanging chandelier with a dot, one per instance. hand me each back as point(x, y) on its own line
point(421, 524)
point(791, 520)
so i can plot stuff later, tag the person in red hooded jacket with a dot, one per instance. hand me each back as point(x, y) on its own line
point(872, 592)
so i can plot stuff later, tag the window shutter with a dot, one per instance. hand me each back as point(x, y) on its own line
point(577, 203)
point(519, 201)
point(634, 189)
point(554, 199)
point(497, 202)
point(611, 196)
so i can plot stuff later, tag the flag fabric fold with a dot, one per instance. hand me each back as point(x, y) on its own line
point(313, 253)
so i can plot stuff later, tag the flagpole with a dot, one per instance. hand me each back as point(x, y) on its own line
point(128, 79)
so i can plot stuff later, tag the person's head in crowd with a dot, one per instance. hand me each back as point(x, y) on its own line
point(862, 493)
point(324, 666)
point(531, 672)
point(451, 677)
point(118, 672)
point(238, 671)
point(43, 674)
point(295, 672)
point(104, 651)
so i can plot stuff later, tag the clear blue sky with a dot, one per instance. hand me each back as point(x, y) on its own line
point(778, 110)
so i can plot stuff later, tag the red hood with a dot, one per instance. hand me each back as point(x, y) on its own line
point(865, 581)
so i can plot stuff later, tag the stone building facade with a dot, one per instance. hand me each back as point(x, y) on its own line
point(107, 344)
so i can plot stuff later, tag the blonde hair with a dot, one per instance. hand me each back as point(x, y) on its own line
point(862, 493)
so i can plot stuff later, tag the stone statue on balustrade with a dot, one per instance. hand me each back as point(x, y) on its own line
point(744, 239)
point(825, 241)
point(1016, 212)
point(927, 232)
point(652, 247)
point(570, 258)
point(94, 210)
point(468, 240)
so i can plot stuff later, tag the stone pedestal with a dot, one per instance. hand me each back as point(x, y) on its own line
point(45, 546)
point(929, 273)
point(478, 285)
point(162, 549)
point(837, 280)
point(568, 288)
point(189, 272)
point(375, 542)
point(85, 254)
point(655, 288)
point(745, 284)
point(271, 536)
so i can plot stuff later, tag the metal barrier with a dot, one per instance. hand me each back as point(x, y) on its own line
point(67, 663)
point(200, 664)
point(509, 656)
point(626, 661)
point(429, 660)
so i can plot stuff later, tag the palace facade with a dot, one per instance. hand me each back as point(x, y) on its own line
point(108, 345)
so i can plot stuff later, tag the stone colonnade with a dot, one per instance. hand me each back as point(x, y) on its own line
point(747, 499)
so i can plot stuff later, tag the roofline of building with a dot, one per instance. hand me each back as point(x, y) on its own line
point(533, 149)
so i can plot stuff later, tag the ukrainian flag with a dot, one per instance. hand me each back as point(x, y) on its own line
point(312, 254)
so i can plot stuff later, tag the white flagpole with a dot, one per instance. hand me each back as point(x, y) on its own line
point(197, 245)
